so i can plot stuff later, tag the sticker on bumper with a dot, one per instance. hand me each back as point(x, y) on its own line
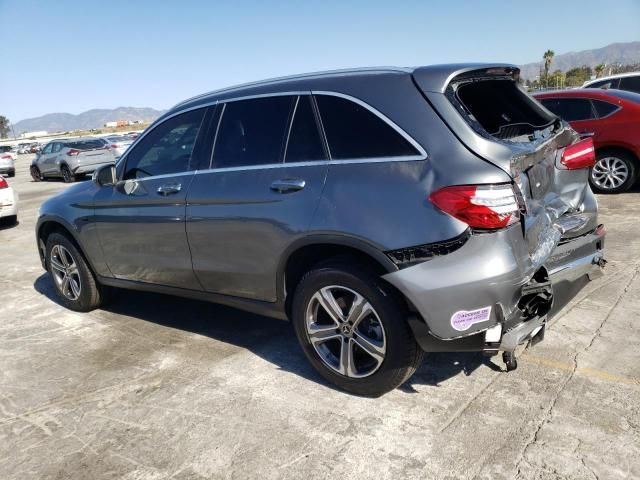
point(463, 319)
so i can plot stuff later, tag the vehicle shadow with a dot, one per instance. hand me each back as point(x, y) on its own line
point(7, 224)
point(271, 339)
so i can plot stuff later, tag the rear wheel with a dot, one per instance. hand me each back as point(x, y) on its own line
point(36, 174)
point(353, 330)
point(74, 281)
point(67, 176)
point(613, 172)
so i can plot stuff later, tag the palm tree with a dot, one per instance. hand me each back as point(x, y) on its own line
point(548, 58)
point(599, 70)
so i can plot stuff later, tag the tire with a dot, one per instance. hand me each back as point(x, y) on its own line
point(397, 353)
point(67, 176)
point(12, 174)
point(36, 174)
point(614, 172)
point(62, 253)
point(10, 220)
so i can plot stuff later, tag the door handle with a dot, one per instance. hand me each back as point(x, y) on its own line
point(586, 134)
point(288, 185)
point(169, 188)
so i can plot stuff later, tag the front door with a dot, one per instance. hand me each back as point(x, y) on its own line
point(141, 220)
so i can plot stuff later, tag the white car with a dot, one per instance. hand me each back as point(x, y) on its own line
point(8, 202)
point(118, 143)
point(622, 81)
point(7, 164)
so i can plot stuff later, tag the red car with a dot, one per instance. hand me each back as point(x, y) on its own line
point(612, 119)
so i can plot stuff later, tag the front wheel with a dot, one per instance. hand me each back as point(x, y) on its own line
point(353, 330)
point(613, 172)
point(36, 174)
point(73, 279)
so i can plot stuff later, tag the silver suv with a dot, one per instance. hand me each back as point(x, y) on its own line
point(385, 212)
point(70, 158)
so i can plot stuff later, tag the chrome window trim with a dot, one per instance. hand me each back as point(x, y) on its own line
point(409, 158)
point(377, 113)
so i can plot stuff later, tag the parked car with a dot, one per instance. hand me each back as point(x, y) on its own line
point(34, 148)
point(70, 158)
point(622, 81)
point(24, 148)
point(118, 144)
point(612, 119)
point(8, 203)
point(7, 164)
point(384, 212)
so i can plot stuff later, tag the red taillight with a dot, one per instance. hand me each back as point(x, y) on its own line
point(486, 207)
point(5, 157)
point(3, 183)
point(579, 155)
point(115, 145)
point(73, 152)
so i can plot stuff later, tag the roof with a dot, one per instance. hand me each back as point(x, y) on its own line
point(578, 92)
point(610, 77)
point(429, 78)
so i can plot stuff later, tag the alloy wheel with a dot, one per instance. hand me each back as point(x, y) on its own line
point(65, 272)
point(345, 331)
point(609, 173)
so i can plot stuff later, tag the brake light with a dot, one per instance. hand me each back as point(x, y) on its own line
point(73, 152)
point(579, 155)
point(5, 157)
point(115, 145)
point(486, 207)
point(3, 183)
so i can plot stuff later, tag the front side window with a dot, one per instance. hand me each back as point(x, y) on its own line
point(167, 148)
point(252, 132)
point(570, 109)
point(631, 84)
point(355, 132)
point(47, 149)
point(56, 147)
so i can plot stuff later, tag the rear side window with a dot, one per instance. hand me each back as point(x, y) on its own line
point(167, 148)
point(502, 109)
point(252, 132)
point(304, 143)
point(570, 109)
point(604, 108)
point(606, 84)
point(355, 132)
point(631, 84)
point(85, 144)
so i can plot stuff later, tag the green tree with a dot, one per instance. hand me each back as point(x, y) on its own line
point(577, 76)
point(548, 58)
point(599, 70)
point(4, 127)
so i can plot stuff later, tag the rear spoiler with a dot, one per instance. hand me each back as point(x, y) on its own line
point(436, 78)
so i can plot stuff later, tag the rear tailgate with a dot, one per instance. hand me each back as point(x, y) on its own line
point(88, 152)
point(501, 124)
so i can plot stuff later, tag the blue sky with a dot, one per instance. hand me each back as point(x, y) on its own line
point(70, 56)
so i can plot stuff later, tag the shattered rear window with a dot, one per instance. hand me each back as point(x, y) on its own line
point(503, 110)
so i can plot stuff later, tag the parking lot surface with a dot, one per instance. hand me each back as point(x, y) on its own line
point(155, 387)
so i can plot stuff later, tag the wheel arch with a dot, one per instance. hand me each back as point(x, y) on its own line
point(51, 225)
point(310, 251)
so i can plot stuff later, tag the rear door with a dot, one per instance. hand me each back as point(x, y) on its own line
point(141, 220)
point(258, 194)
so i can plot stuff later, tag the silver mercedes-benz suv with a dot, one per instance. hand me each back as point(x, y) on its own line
point(385, 212)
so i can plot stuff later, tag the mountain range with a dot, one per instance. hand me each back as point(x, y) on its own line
point(623, 53)
point(96, 118)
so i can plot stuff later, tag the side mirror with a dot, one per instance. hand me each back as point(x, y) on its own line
point(105, 176)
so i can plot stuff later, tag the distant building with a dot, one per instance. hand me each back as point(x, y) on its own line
point(111, 124)
point(38, 133)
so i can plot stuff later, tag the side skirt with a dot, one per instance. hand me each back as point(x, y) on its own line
point(268, 309)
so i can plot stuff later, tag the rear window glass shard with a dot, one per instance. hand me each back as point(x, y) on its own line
point(304, 143)
point(503, 110)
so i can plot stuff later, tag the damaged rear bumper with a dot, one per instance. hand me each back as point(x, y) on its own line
point(489, 295)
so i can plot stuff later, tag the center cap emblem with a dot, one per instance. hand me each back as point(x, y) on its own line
point(346, 329)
